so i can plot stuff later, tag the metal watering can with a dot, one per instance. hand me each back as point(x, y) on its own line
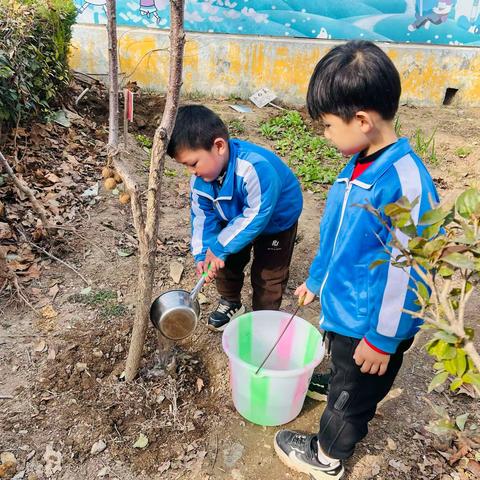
point(175, 313)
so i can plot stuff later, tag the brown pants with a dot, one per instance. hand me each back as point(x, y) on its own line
point(272, 255)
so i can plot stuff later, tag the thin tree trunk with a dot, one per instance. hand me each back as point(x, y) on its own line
point(113, 75)
point(148, 248)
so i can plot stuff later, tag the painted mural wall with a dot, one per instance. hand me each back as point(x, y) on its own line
point(444, 22)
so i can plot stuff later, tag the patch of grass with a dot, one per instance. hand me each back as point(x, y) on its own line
point(463, 152)
point(236, 128)
point(169, 172)
point(424, 146)
point(315, 161)
point(144, 141)
point(103, 300)
point(398, 127)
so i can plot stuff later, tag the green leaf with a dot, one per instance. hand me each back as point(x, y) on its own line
point(409, 230)
point(460, 362)
point(445, 271)
point(124, 253)
point(437, 380)
point(468, 203)
point(450, 366)
point(459, 260)
point(142, 441)
point(441, 427)
point(456, 384)
point(376, 263)
point(432, 230)
point(445, 351)
point(469, 332)
point(394, 209)
point(473, 378)
point(446, 337)
point(438, 366)
point(461, 420)
point(423, 292)
point(433, 216)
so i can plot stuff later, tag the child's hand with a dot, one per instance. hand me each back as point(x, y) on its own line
point(369, 360)
point(211, 265)
point(303, 291)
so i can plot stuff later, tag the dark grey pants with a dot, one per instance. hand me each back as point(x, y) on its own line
point(353, 396)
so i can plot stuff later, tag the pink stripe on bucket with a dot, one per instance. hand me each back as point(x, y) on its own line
point(300, 392)
point(284, 347)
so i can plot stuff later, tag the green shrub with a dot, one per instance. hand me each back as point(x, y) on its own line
point(34, 41)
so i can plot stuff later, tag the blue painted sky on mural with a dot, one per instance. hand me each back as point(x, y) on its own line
point(449, 22)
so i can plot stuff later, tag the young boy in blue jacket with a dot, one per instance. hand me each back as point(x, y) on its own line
point(243, 197)
point(355, 90)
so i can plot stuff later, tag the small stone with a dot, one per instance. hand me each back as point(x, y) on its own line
point(97, 353)
point(104, 471)
point(8, 466)
point(118, 348)
point(391, 444)
point(233, 454)
point(98, 447)
point(80, 367)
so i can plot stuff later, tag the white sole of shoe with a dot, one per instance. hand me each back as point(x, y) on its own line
point(319, 397)
point(286, 460)
point(223, 327)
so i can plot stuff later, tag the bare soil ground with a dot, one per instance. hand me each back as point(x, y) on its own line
point(65, 414)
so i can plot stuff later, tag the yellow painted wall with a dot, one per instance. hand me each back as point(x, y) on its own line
point(222, 65)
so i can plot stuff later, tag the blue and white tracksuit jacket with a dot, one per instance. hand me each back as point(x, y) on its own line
point(358, 301)
point(259, 195)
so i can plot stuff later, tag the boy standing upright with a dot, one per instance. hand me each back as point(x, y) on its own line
point(355, 90)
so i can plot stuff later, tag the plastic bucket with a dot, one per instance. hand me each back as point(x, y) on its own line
point(275, 396)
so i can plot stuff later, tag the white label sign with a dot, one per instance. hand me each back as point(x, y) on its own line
point(263, 97)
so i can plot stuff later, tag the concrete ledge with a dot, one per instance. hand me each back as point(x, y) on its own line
point(239, 64)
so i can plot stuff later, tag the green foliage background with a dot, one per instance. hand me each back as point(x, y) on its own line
point(34, 42)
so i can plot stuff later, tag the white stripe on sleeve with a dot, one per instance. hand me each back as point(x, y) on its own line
point(254, 193)
point(198, 225)
point(398, 278)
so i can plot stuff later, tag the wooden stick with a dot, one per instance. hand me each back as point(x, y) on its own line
point(22, 186)
point(73, 269)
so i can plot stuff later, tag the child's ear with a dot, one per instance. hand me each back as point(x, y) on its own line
point(220, 144)
point(365, 121)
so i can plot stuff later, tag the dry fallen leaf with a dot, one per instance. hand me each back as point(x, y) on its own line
point(200, 384)
point(51, 353)
point(142, 441)
point(176, 270)
point(48, 312)
point(53, 291)
point(39, 345)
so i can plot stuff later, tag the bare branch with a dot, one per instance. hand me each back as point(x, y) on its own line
point(22, 186)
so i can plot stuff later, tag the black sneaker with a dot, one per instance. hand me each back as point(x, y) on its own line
point(225, 312)
point(318, 387)
point(299, 452)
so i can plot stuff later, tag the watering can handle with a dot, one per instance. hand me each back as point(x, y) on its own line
point(199, 285)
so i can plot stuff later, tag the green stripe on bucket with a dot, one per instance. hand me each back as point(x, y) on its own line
point(245, 337)
point(311, 348)
point(259, 387)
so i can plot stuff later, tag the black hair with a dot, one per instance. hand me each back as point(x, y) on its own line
point(351, 77)
point(196, 127)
